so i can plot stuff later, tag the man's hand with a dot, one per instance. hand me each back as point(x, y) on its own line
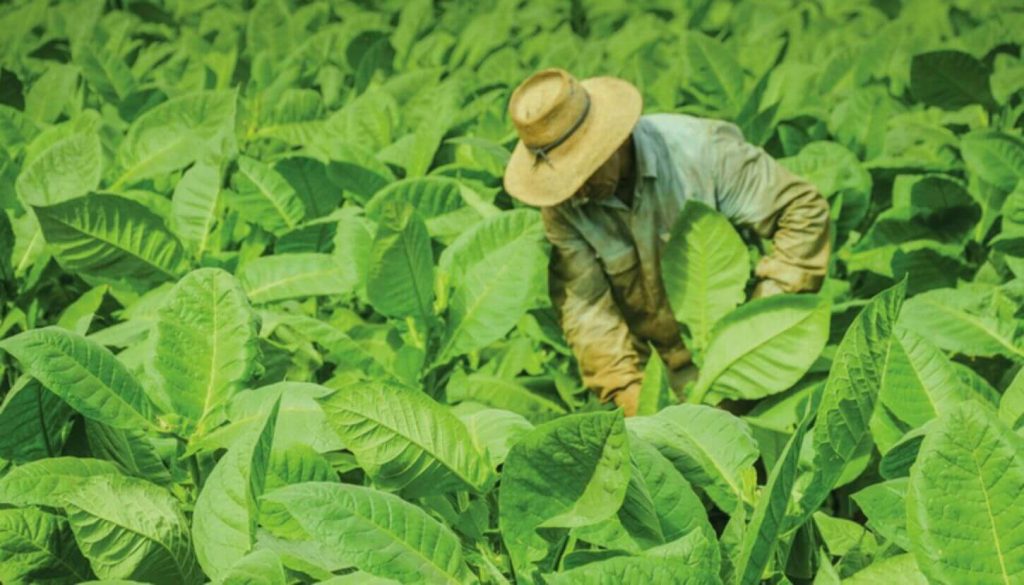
point(628, 399)
point(766, 288)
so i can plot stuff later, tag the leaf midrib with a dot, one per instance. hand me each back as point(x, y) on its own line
point(474, 307)
point(288, 280)
point(414, 441)
point(355, 511)
point(759, 345)
point(991, 521)
point(976, 324)
point(112, 244)
point(261, 188)
point(160, 543)
point(80, 366)
point(72, 569)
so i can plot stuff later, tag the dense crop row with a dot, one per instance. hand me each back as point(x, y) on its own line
point(267, 315)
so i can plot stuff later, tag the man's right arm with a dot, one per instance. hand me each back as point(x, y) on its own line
point(590, 319)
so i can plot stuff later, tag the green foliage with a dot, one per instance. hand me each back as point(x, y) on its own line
point(267, 314)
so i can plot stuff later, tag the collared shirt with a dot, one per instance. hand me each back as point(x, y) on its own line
point(605, 272)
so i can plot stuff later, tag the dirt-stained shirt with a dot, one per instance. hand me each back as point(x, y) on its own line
point(605, 271)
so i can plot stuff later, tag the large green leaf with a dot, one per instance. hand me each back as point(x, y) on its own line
point(488, 265)
point(226, 513)
point(950, 80)
point(37, 547)
point(66, 169)
point(841, 429)
point(35, 422)
point(763, 347)
point(177, 132)
point(996, 157)
point(204, 347)
point(83, 373)
point(568, 473)
point(265, 198)
point(516, 228)
point(132, 529)
point(919, 383)
point(196, 207)
point(401, 279)
point(405, 440)
point(966, 320)
point(705, 266)
point(711, 448)
point(714, 73)
point(111, 237)
point(965, 500)
point(491, 298)
point(44, 482)
point(286, 276)
point(376, 532)
point(431, 197)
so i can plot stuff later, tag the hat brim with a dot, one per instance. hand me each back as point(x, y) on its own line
point(615, 108)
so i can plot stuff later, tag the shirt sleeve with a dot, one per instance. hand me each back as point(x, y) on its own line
point(753, 189)
point(596, 330)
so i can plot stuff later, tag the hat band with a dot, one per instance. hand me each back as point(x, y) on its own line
point(540, 153)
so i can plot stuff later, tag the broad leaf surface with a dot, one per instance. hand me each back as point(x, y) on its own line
point(377, 532)
point(705, 266)
point(111, 237)
point(132, 529)
point(204, 346)
point(84, 374)
point(44, 482)
point(763, 347)
point(405, 440)
point(965, 499)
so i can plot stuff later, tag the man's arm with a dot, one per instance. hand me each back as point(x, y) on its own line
point(753, 189)
point(590, 319)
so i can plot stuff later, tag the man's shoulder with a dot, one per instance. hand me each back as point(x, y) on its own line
point(686, 124)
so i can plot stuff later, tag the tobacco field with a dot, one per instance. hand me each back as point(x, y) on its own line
point(267, 315)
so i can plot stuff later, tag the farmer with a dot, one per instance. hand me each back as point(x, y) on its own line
point(610, 184)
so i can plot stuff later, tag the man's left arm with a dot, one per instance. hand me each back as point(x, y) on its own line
point(753, 189)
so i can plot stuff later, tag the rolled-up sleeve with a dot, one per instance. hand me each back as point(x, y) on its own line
point(591, 321)
point(753, 189)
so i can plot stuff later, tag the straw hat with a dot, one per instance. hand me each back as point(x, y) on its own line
point(567, 129)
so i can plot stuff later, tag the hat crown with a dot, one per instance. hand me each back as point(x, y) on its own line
point(547, 106)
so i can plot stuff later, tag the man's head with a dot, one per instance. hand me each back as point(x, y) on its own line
point(572, 134)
